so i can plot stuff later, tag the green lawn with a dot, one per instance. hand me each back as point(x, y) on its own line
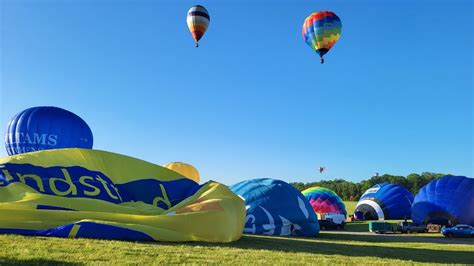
point(362, 226)
point(350, 206)
point(326, 248)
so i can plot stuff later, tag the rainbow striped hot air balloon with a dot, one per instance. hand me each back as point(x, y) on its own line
point(324, 200)
point(198, 20)
point(321, 30)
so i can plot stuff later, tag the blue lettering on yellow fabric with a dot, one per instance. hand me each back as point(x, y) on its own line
point(79, 182)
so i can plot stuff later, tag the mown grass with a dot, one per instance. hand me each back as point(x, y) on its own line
point(350, 206)
point(326, 248)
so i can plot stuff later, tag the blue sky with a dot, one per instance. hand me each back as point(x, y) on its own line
point(394, 96)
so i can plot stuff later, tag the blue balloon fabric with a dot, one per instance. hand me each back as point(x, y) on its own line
point(276, 208)
point(45, 128)
point(447, 200)
point(385, 202)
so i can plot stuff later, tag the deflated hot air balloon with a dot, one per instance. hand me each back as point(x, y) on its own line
point(324, 200)
point(321, 30)
point(198, 20)
point(96, 194)
point(276, 208)
point(184, 169)
point(44, 128)
point(447, 201)
point(385, 202)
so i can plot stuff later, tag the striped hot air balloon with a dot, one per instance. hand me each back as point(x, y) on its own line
point(198, 20)
point(321, 30)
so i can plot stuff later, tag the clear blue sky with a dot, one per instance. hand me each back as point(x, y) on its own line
point(394, 96)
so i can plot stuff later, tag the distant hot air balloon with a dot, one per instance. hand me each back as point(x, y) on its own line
point(198, 20)
point(322, 169)
point(321, 30)
point(185, 170)
point(45, 128)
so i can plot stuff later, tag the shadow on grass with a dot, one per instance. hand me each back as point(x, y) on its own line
point(34, 261)
point(396, 239)
point(302, 245)
point(357, 227)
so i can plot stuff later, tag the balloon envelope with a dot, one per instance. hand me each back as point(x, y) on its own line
point(185, 169)
point(198, 20)
point(95, 194)
point(44, 128)
point(321, 30)
point(385, 202)
point(449, 199)
point(276, 208)
point(324, 200)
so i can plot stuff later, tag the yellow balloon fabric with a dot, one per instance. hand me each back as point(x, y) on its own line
point(185, 169)
point(96, 194)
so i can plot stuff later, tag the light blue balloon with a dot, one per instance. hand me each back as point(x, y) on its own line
point(276, 208)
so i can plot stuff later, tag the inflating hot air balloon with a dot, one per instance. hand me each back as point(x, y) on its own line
point(324, 200)
point(276, 208)
point(321, 30)
point(198, 20)
point(44, 128)
point(385, 202)
point(447, 201)
point(185, 169)
point(82, 193)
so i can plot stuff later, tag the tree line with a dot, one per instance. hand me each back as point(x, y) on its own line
point(348, 190)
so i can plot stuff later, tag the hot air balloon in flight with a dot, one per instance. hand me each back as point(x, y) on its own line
point(198, 20)
point(185, 169)
point(322, 169)
point(321, 30)
point(46, 128)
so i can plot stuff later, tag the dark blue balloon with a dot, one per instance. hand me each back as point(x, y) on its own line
point(385, 202)
point(276, 208)
point(44, 128)
point(447, 200)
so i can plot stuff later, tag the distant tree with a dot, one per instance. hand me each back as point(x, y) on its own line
point(348, 190)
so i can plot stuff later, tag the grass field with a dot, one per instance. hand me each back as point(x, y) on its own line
point(326, 248)
point(350, 206)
